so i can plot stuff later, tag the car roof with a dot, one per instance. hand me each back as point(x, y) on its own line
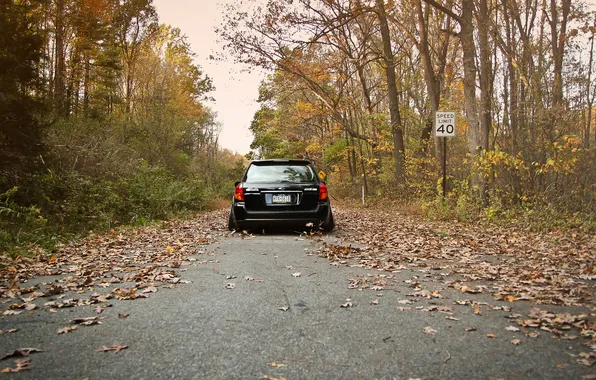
point(281, 161)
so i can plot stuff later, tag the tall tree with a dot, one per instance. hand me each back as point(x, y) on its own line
point(396, 121)
point(21, 51)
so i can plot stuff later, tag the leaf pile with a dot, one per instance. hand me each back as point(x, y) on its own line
point(131, 262)
point(511, 265)
point(550, 269)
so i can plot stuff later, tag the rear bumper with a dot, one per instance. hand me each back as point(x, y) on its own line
point(245, 218)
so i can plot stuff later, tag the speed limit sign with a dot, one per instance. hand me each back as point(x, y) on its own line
point(444, 124)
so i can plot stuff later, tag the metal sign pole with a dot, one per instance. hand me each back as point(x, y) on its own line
point(444, 167)
point(445, 127)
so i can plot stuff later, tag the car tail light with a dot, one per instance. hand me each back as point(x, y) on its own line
point(323, 193)
point(239, 193)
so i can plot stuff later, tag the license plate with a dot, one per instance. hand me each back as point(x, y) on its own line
point(281, 198)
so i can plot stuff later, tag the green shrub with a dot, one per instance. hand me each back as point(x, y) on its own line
point(49, 206)
point(155, 193)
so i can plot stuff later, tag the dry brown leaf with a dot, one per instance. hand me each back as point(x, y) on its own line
point(20, 365)
point(116, 348)
point(429, 330)
point(66, 330)
point(21, 353)
point(476, 309)
point(150, 289)
point(88, 321)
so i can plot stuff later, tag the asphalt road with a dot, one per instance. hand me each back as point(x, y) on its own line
point(204, 330)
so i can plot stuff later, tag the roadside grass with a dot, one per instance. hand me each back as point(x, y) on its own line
point(31, 231)
point(528, 217)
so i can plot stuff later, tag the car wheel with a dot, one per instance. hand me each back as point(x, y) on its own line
point(329, 224)
point(232, 225)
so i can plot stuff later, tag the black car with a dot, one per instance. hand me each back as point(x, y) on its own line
point(281, 192)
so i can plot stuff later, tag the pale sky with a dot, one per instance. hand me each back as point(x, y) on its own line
point(236, 91)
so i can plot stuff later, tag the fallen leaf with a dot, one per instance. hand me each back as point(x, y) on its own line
point(512, 328)
point(66, 330)
point(429, 330)
point(275, 364)
point(248, 278)
point(150, 289)
point(492, 336)
point(476, 309)
point(122, 316)
point(12, 312)
point(466, 289)
point(21, 365)
point(89, 321)
point(470, 329)
point(8, 331)
point(347, 304)
point(230, 285)
point(515, 342)
point(297, 274)
point(374, 302)
point(116, 348)
point(283, 308)
point(20, 353)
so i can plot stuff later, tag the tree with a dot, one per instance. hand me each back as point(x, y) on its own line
point(396, 123)
point(21, 50)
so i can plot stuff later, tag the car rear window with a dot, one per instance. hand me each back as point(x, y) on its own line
point(280, 173)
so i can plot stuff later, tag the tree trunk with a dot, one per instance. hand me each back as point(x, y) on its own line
point(589, 98)
point(466, 36)
point(396, 122)
point(432, 84)
point(60, 61)
point(485, 74)
point(558, 40)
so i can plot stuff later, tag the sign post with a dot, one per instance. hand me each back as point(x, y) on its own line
point(445, 127)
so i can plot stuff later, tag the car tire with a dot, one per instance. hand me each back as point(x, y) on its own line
point(329, 224)
point(232, 225)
